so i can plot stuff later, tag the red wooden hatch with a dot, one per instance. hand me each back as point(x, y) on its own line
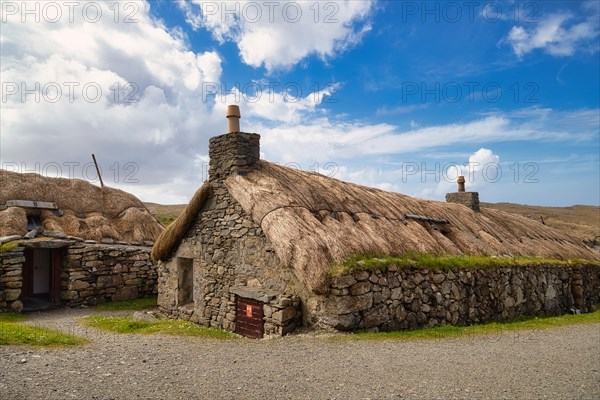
point(249, 318)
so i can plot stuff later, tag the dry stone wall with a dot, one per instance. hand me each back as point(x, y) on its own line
point(95, 273)
point(395, 298)
point(90, 273)
point(11, 280)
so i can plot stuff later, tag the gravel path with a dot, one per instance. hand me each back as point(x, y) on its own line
point(550, 364)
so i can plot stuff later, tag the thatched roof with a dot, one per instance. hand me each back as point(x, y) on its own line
point(313, 221)
point(172, 236)
point(90, 212)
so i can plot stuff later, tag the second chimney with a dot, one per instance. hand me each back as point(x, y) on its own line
point(469, 199)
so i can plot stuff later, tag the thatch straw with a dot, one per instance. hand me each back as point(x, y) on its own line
point(312, 221)
point(172, 236)
point(90, 212)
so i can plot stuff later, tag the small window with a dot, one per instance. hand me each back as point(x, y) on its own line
point(33, 222)
point(185, 277)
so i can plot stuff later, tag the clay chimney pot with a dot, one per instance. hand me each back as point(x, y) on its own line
point(233, 119)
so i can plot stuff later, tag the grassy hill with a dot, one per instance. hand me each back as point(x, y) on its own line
point(583, 222)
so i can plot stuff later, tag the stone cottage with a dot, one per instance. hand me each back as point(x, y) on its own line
point(253, 251)
point(68, 242)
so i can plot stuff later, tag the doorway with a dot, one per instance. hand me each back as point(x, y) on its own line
point(41, 278)
point(249, 318)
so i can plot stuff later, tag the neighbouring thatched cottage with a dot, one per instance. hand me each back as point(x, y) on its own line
point(66, 241)
point(253, 252)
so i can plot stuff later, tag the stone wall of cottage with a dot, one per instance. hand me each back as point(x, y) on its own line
point(11, 281)
point(95, 273)
point(228, 250)
point(395, 298)
point(91, 273)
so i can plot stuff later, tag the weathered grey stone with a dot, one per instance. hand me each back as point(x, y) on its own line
point(11, 238)
point(361, 275)
point(360, 288)
point(109, 280)
point(12, 294)
point(375, 316)
point(343, 282)
point(550, 292)
point(400, 313)
point(349, 304)
point(345, 322)
point(31, 234)
point(418, 278)
point(282, 316)
point(78, 285)
point(396, 294)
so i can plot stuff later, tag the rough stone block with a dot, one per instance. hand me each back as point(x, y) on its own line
point(349, 304)
point(282, 316)
point(360, 288)
point(12, 294)
point(78, 285)
point(375, 316)
point(343, 282)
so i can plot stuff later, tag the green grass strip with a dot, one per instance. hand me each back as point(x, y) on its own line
point(165, 327)
point(446, 262)
point(138, 304)
point(451, 331)
point(14, 333)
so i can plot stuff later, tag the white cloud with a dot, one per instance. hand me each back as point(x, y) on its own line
point(559, 35)
point(482, 168)
point(128, 92)
point(281, 34)
point(133, 94)
point(325, 139)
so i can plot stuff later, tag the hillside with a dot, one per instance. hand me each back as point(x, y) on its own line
point(583, 222)
point(580, 221)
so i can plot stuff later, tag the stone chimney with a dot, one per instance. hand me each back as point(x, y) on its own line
point(469, 199)
point(234, 153)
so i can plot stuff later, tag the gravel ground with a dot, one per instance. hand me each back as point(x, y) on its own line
point(550, 364)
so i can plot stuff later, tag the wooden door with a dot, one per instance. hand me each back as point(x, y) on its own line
point(27, 274)
point(52, 274)
point(249, 320)
point(56, 260)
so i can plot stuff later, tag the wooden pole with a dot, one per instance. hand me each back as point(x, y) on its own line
point(98, 170)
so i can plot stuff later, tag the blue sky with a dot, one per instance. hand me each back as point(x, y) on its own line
point(400, 95)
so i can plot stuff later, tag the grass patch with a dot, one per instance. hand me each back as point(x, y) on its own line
point(165, 327)
point(8, 246)
point(137, 304)
point(12, 317)
point(14, 333)
point(166, 219)
point(450, 331)
point(444, 263)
